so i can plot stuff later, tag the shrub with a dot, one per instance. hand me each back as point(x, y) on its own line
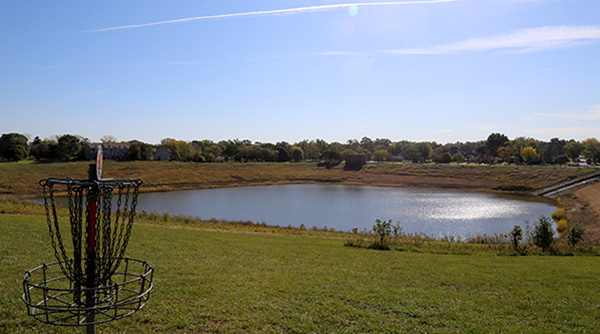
point(382, 229)
point(542, 235)
point(561, 226)
point(516, 235)
point(575, 233)
point(397, 231)
point(559, 214)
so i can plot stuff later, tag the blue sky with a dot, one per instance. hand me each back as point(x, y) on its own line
point(269, 71)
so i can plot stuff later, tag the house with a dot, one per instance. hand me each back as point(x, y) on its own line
point(110, 151)
point(161, 153)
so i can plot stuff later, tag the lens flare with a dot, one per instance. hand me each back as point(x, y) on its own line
point(353, 10)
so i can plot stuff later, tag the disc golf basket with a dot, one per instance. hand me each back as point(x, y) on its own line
point(91, 282)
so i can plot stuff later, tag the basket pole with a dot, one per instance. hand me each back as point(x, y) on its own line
point(91, 254)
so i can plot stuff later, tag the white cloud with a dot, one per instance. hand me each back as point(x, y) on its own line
point(524, 40)
point(289, 11)
point(592, 114)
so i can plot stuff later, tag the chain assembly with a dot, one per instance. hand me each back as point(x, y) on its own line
point(92, 281)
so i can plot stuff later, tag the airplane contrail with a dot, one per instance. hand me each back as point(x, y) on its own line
point(274, 12)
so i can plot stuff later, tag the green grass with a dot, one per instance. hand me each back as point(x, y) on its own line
point(225, 282)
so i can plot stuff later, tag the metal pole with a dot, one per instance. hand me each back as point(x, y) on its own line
point(91, 254)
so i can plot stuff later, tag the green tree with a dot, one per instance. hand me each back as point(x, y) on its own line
point(424, 150)
point(446, 158)
point(69, 147)
point(381, 155)
point(573, 150)
point(283, 151)
point(146, 151)
point(458, 158)
point(296, 153)
point(575, 233)
point(367, 144)
point(495, 141)
point(134, 152)
point(543, 235)
point(13, 146)
point(382, 229)
point(591, 149)
point(516, 236)
point(554, 150)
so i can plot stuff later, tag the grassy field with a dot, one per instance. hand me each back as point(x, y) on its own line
point(226, 282)
point(21, 179)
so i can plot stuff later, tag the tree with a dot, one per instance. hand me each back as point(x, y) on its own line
point(554, 150)
point(13, 146)
point(367, 144)
point(383, 229)
point(424, 150)
point(543, 236)
point(529, 154)
point(297, 153)
point(495, 141)
point(446, 158)
point(516, 236)
point(134, 152)
point(573, 150)
point(69, 147)
point(575, 233)
point(519, 143)
point(283, 151)
point(381, 155)
point(505, 152)
point(109, 139)
point(458, 158)
point(591, 149)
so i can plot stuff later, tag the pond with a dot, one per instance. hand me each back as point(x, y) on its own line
point(437, 212)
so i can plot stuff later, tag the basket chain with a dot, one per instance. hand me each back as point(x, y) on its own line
point(65, 265)
point(110, 237)
point(75, 203)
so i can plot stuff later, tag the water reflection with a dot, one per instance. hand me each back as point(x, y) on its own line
point(430, 211)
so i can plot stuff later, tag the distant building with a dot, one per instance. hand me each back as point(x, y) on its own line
point(110, 151)
point(356, 159)
point(161, 153)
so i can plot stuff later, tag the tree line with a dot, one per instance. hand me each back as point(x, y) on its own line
point(497, 148)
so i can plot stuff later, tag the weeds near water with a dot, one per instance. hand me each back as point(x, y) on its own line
point(514, 243)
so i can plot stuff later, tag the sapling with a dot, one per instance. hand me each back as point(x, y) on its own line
point(516, 236)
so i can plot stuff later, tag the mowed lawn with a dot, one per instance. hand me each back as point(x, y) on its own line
point(223, 282)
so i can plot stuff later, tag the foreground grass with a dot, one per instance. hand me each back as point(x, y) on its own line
point(221, 282)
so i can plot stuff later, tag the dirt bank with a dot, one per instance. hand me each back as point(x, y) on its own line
point(583, 206)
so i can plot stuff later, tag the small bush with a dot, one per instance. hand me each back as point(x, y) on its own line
point(543, 235)
point(516, 235)
point(561, 226)
point(379, 246)
point(559, 214)
point(382, 229)
point(575, 234)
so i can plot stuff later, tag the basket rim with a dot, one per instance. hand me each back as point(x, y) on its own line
point(66, 313)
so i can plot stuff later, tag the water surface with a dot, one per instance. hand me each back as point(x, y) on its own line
point(435, 212)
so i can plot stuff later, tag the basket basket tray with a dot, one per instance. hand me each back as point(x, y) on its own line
point(52, 298)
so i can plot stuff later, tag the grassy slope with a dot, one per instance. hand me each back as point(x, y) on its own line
point(21, 179)
point(231, 282)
